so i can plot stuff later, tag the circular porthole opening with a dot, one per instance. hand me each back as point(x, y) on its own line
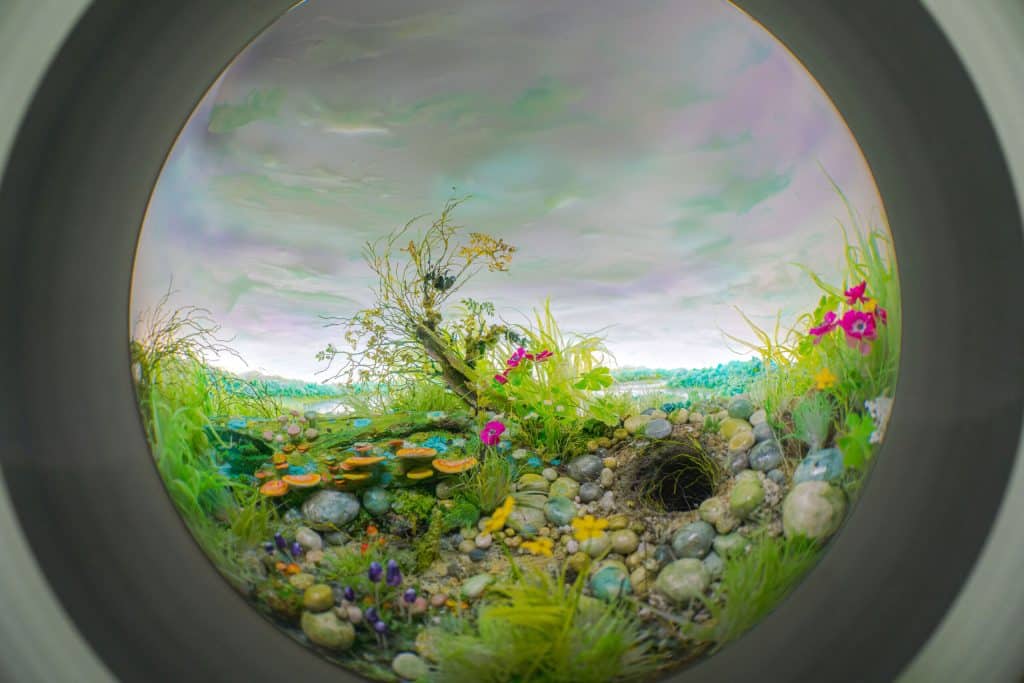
point(523, 342)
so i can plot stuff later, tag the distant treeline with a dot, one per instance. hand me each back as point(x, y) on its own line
point(273, 386)
point(731, 378)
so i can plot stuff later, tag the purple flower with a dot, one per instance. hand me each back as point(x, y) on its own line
point(296, 549)
point(280, 542)
point(371, 614)
point(380, 627)
point(375, 572)
point(410, 596)
point(269, 547)
point(394, 574)
point(350, 594)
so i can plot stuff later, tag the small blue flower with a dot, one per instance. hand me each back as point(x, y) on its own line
point(437, 443)
point(436, 415)
point(237, 423)
point(361, 422)
point(533, 461)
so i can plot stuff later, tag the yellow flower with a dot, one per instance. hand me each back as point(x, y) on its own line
point(869, 305)
point(540, 546)
point(825, 379)
point(587, 527)
point(500, 516)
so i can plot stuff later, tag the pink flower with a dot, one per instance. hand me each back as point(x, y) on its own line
point(882, 315)
point(828, 324)
point(491, 433)
point(543, 356)
point(856, 293)
point(860, 330)
point(501, 378)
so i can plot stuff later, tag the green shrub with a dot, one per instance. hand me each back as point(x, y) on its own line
point(536, 628)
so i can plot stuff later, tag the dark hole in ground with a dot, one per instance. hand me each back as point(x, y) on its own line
point(675, 476)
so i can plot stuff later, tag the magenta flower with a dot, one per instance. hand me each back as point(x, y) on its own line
point(860, 330)
point(830, 322)
point(882, 315)
point(501, 378)
point(856, 293)
point(543, 356)
point(491, 433)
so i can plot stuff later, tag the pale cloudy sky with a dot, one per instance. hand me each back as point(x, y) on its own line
point(655, 164)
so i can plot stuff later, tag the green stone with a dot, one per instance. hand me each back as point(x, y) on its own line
point(328, 631)
point(318, 598)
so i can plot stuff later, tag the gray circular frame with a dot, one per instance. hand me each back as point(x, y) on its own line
point(130, 576)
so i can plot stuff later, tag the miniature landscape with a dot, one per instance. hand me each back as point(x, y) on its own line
point(505, 502)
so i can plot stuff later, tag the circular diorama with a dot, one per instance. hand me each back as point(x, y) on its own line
point(515, 342)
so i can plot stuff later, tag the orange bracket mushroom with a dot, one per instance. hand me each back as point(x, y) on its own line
point(455, 466)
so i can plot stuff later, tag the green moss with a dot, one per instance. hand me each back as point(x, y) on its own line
point(428, 547)
point(460, 515)
point(414, 506)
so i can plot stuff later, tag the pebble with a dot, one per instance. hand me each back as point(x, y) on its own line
point(696, 419)
point(635, 423)
point(680, 416)
point(475, 586)
point(620, 434)
point(611, 581)
point(624, 541)
point(330, 508)
point(550, 473)
point(467, 546)
point(597, 545)
point(309, 539)
point(585, 468)
point(663, 554)
point(438, 599)
point(354, 614)
point(693, 540)
point(559, 510)
point(823, 465)
point(715, 511)
point(778, 476)
point(659, 428)
point(607, 478)
point(746, 495)
point(683, 580)
point(526, 521)
point(610, 462)
point(477, 555)
point(302, 581)
point(328, 631)
point(483, 541)
point(766, 455)
point(589, 492)
point(566, 487)
point(618, 521)
point(741, 441)
point(409, 666)
point(728, 544)
point(318, 598)
point(732, 425)
point(533, 482)
point(714, 564)
point(741, 407)
point(737, 463)
point(377, 501)
point(763, 432)
point(813, 509)
point(578, 561)
point(444, 490)
point(572, 546)
point(336, 538)
point(314, 556)
point(758, 417)
point(607, 502)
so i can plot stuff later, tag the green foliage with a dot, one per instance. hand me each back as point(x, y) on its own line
point(489, 484)
point(423, 396)
point(791, 358)
point(536, 628)
point(403, 337)
point(428, 546)
point(812, 419)
point(753, 584)
point(348, 566)
point(549, 399)
point(254, 518)
point(855, 441)
point(711, 424)
point(413, 505)
point(463, 514)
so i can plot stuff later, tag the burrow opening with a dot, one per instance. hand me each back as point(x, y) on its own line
point(675, 476)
